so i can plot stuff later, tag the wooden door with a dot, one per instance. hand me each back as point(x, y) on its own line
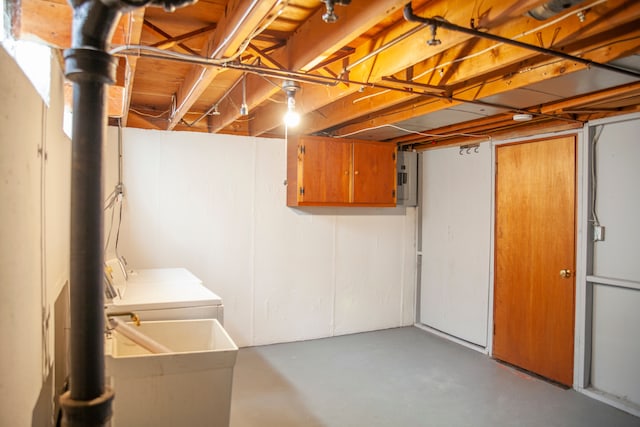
point(534, 302)
point(374, 173)
point(325, 168)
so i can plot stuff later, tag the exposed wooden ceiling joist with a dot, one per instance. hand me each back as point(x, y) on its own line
point(172, 41)
point(530, 73)
point(502, 125)
point(242, 19)
point(406, 83)
point(312, 43)
point(399, 56)
point(166, 37)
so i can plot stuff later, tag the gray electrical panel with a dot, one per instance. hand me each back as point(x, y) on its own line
point(407, 193)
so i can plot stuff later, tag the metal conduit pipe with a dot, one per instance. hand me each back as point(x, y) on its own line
point(317, 79)
point(91, 69)
point(381, 49)
point(411, 17)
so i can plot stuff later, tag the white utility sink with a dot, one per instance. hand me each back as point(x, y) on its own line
point(191, 386)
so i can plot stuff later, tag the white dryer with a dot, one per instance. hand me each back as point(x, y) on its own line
point(163, 294)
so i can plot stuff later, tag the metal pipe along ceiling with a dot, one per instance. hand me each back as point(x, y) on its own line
point(439, 22)
point(140, 51)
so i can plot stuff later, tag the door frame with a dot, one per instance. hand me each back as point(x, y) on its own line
point(582, 315)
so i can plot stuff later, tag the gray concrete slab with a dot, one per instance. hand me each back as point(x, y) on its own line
point(400, 377)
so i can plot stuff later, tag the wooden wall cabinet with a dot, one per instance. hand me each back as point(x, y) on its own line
point(340, 172)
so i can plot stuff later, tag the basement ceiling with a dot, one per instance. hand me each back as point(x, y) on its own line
point(371, 74)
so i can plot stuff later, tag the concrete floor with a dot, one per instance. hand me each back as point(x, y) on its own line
point(399, 377)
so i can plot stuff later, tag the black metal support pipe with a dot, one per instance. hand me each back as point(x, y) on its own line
point(441, 23)
point(91, 69)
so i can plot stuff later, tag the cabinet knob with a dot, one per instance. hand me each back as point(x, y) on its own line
point(356, 172)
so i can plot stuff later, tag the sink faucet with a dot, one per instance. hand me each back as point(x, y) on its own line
point(134, 317)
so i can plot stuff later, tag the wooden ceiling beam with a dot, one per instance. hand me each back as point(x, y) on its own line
point(592, 98)
point(169, 42)
point(608, 51)
point(480, 56)
point(311, 44)
point(514, 130)
point(266, 58)
point(242, 17)
point(479, 125)
point(338, 55)
point(55, 31)
point(501, 125)
point(477, 66)
point(49, 21)
point(610, 48)
point(166, 36)
point(398, 57)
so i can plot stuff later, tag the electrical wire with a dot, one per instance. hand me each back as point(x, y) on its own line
point(155, 116)
point(118, 231)
point(106, 245)
point(469, 135)
point(594, 176)
point(116, 196)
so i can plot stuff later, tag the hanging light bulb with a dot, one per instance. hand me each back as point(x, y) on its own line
point(244, 108)
point(291, 117)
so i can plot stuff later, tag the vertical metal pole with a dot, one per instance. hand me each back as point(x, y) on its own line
point(91, 69)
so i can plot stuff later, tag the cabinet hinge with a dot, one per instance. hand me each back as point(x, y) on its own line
point(393, 156)
point(302, 150)
point(302, 191)
point(393, 193)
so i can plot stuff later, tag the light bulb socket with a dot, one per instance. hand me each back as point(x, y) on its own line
point(290, 86)
point(291, 102)
point(244, 109)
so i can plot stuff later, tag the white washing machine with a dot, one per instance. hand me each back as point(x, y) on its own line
point(162, 294)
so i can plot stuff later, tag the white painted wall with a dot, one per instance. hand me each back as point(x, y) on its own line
point(456, 267)
point(616, 311)
point(618, 201)
point(34, 241)
point(456, 237)
point(616, 342)
point(215, 204)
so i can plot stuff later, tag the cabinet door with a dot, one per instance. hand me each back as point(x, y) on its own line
point(374, 174)
point(325, 170)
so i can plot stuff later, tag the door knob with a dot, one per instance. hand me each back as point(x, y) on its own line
point(565, 274)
